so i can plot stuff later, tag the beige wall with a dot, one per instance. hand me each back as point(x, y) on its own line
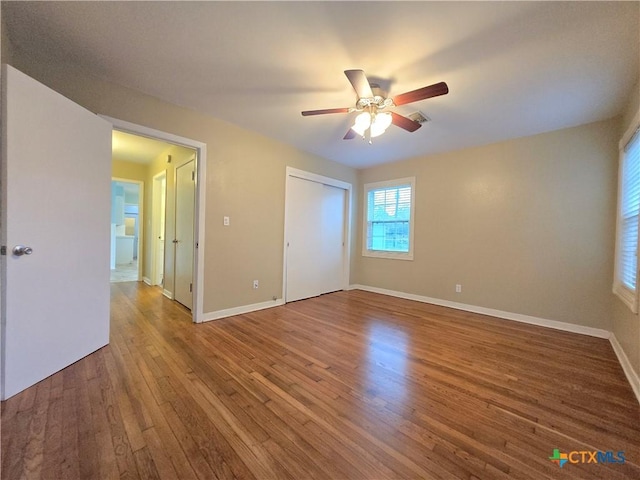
point(626, 325)
point(633, 105)
point(5, 43)
point(524, 225)
point(245, 180)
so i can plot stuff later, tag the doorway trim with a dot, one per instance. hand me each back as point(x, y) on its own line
point(201, 162)
point(141, 231)
point(332, 182)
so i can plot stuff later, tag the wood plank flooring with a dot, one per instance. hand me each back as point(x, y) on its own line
point(350, 385)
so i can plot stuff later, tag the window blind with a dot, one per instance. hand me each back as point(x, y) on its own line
point(388, 218)
point(629, 211)
point(626, 277)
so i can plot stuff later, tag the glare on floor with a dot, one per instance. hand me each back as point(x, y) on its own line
point(127, 272)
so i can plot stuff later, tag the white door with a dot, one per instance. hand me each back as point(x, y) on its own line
point(159, 210)
point(315, 239)
point(185, 207)
point(332, 232)
point(56, 171)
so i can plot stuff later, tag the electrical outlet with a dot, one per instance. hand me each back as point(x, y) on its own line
point(256, 284)
point(458, 288)
point(225, 221)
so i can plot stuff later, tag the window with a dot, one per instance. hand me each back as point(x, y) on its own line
point(626, 267)
point(388, 219)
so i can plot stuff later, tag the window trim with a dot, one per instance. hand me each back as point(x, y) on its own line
point(628, 296)
point(386, 184)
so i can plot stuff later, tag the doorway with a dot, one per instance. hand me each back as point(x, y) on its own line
point(126, 229)
point(156, 163)
point(162, 261)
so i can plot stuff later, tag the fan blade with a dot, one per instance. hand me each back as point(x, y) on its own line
point(434, 90)
point(306, 113)
point(350, 134)
point(404, 122)
point(360, 83)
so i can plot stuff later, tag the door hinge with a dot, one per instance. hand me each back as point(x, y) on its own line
point(3, 250)
point(196, 244)
point(193, 176)
point(191, 288)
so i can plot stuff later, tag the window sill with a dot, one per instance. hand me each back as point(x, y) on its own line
point(629, 298)
point(391, 255)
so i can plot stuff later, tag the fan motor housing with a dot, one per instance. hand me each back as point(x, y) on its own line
point(379, 99)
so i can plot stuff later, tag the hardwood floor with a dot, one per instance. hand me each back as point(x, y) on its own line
point(351, 385)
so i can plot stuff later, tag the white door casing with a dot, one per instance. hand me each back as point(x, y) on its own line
point(56, 173)
point(184, 236)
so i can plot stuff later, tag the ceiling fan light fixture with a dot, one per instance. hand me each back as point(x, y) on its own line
point(372, 121)
point(362, 123)
point(381, 122)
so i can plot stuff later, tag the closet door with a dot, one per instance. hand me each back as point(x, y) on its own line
point(316, 236)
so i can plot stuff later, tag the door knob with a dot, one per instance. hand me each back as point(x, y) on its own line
point(176, 241)
point(20, 250)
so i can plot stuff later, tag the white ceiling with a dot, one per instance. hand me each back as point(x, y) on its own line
point(513, 68)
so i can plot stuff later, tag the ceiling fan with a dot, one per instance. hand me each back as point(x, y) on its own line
point(373, 119)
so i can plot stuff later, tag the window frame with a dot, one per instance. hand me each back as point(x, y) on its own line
point(368, 187)
point(628, 296)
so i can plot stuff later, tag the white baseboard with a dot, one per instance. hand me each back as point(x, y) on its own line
point(167, 294)
point(229, 312)
point(631, 374)
point(147, 281)
point(543, 322)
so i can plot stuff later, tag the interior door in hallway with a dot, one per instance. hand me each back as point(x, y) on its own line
point(159, 198)
point(184, 238)
point(56, 183)
point(316, 238)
